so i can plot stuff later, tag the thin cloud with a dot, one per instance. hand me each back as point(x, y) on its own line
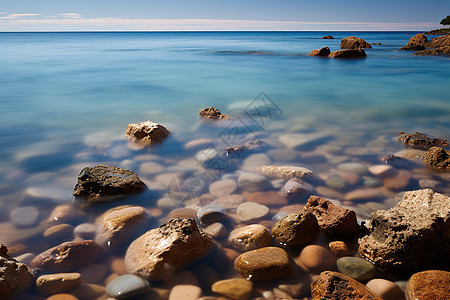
point(18, 16)
point(70, 15)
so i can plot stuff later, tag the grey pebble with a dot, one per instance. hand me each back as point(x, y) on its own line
point(85, 231)
point(356, 268)
point(127, 286)
point(26, 216)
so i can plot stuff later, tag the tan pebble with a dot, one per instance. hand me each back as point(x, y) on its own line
point(251, 211)
point(182, 213)
point(185, 292)
point(315, 258)
point(292, 208)
point(339, 248)
point(216, 230)
point(285, 172)
point(88, 291)
point(382, 170)
point(386, 289)
point(230, 201)
point(267, 198)
point(59, 231)
point(154, 212)
point(117, 265)
point(222, 187)
point(250, 237)
point(150, 168)
point(57, 283)
point(363, 194)
point(62, 297)
point(93, 273)
point(236, 288)
point(62, 213)
point(398, 182)
point(197, 144)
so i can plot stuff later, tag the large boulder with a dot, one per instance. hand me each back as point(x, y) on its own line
point(103, 183)
point(147, 132)
point(417, 42)
point(414, 235)
point(437, 158)
point(14, 276)
point(212, 113)
point(324, 51)
point(354, 42)
point(161, 251)
point(348, 53)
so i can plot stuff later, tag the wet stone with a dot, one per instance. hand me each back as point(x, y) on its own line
point(250, 237)
point(356, 268)
point(60, 231)
point(85, 231)
point(253, 182)
point(127, 286)
point(285, 172)
point(385, 289)
point(295, 189)
point(216, 230)
point(268, 263)
point(62, 213)
point(185, 292)
point(353, 167)
point(25, 258)
point(398, 182)
point(437, 158)
point(336, 182)
point(420, 140)
point(431, 284)
point(382, 170)
point(428, 183)
point(340, 248)
point(283, 155)
point(296, 229)
point(62, 296)
point(235, 288)
point(150, 168)
point(255, 161)
point(230, 202)
point(364, 194)
point(57, 283)
point(222, 187)
point(147, 132)
point(211, 213)
point(267, 198)
point(251, 212)
point(316, 258)
point(26, 216)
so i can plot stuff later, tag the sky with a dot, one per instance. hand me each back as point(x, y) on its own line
point(179, 15)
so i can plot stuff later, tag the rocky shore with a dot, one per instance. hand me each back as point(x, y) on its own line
point(305, 219)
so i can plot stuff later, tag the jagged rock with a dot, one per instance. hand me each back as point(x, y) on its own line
point(102, 183)
point(334, 220)
point(296, 229)
point(440, 45)
point(325, 51)
point(430, 284)
point(417, 42)
point(334, 285)
point(249, 146)
point(413, 235)
point(438, 158)
point(420, 140)
point(161, 251)
point(147, 132)
point(348, 53)
point(212, 113)
point(14, 276)
point(354, 42)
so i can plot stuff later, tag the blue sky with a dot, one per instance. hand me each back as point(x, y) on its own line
point(51, 15)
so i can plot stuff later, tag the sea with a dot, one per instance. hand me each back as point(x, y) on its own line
point(66, 99)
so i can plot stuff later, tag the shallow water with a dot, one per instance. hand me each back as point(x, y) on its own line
point(67, 98)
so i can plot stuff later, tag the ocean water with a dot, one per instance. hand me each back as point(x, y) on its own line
point(67, 97)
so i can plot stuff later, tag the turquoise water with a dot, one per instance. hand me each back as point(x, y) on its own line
point(66, 99)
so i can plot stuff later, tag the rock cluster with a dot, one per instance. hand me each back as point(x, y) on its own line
point(354, 42)
point(437, 46)
point(161, 251)
point(147, 132)
point(420, 140)
point(102, 183)
point(413, 235)
point(417, 42)
point(212, 114)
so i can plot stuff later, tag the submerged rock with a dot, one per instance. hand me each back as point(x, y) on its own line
point(161, 251)
point(417, 42)
point(437, 158)
point(147, 132)
point(235, 288)
point(102, 183)
point(334, 285)
point(14, 276)
point(420, 140)
point(354, 42)
point(324, 51)
point(296, 188)
point(334, 220)
point(296, 229)
point(411, 236)
point(50, 284)
point(250, 237)
point(348, 53)
point(212, 114)
point(285, 172)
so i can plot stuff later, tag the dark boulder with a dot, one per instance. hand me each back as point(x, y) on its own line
point(417, 42)
point(212, 114)
point(354, 42)
point(325, 51)
point(328, 37)
point(348, 53)
point(420, 140)
point(437, 158)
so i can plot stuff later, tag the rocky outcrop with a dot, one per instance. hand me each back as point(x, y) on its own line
point(439, 45)
point(102, 183)
point(325, 51)
point(328, 37)
point(120, 224)
point(68, 256)
point(212, 114)
point(296, 229)
point(336, 221)
point(437, 158)
point(348, 53)
point(147, 132)
point(420, 140)
point(161, 251)
point(411, 236)
point(354, 42)
point(439, 31)
point(334, 285)
point(417, 42)
point(14, 276)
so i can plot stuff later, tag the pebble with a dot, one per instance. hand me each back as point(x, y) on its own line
point(88, 291)
point(284, 172)
point(235, 288)
point(431, 284)
point(57, 283)
point(206, 156)
point(26, 216)
point(315, 259)
point(60, 231)
point(185, 292)
point(296, 286)
point(222, 187)
point(25, 258)
point(150, 168)
point(283, 155)
point(385, 289)
point(211, 213)
point(85, 231)
point(270, 198)
point(93, 273)
point(364, 194)
point(254, 161)
point(216, 230)
point(382, 170)
point(167, 202)
point(356, 268)
point(251, 212)
point(372, 182)
point(428, 183)
point(250, 237)
point(351, 178)
point(117, 265)
point(340, 248)
point(182, 212)
point(353, 167)
point(268, 263)
point(398, 182)
point(197, 144)
point(253, 182)
point(230, 202)
point(127, 286)
point(410, 153)
point(296, 188)
point(62, 213)
point(296, 229)
point(336, 182)
point(62, 296)
point(300, 141)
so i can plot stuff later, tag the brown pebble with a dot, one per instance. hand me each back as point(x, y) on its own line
point(185, 292)
point(398, 182)
point(270, 198)
point(62, 297)
point(62, 213)
point(235, 288)
point(364, 194)
point(250, 237)
point(315, 258)
point(57, 283)
point(59, 231)
point(340, 248)
point(182, 213)
point(386, 289)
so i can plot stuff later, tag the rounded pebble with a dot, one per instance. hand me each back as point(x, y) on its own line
point(315, 258)
point(235, 288)
point(185, 292)
point(250, 237)
point(127, 286)
point(62, 297)
point(85, 231)
point(356, 268)
point(386, 289)
point(211, 213)
point(62, 213)
point(57, 283)
point(270, 198)
point(216, 230)
point(60, 231)
point(222, 187)
point(26, 216)
point(353, 167)
point(251, 212)
point(253, 182)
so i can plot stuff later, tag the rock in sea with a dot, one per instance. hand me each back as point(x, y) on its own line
point(147, 132)
point(14, 276)
point(324, 51)
point(354, 42)
point(212, 114)
point(296, 229)
point(420, 140)
point(417, 42)
point(348, 53)
point(411, 236)
point(161, 251)
point(102, 183)
point(437, 158)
